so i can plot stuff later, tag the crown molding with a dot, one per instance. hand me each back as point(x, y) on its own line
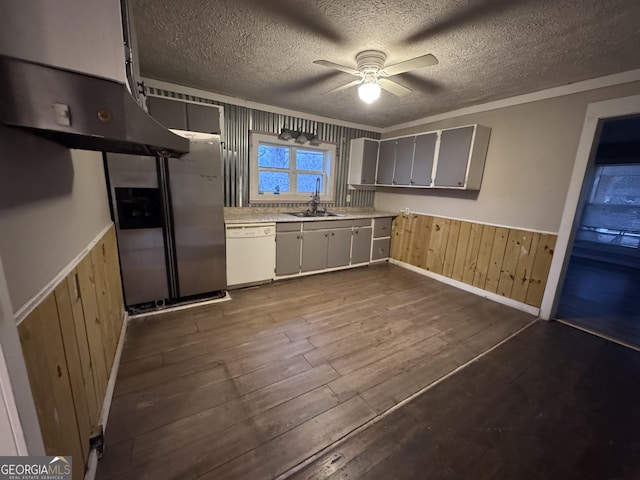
point(561, 91)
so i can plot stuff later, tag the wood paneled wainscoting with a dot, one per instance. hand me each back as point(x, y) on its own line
point(69, 343)
point(506, 261)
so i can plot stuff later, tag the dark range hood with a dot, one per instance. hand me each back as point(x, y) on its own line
point(80, 111)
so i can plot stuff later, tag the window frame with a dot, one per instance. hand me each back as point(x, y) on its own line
point(330, 164)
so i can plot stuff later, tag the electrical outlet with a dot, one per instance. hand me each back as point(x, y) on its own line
point(407, 211)
point(348, 198)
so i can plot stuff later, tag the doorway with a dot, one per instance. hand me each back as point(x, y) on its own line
point(599, 291)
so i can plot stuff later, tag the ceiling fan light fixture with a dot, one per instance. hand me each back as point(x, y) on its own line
point(369, 92)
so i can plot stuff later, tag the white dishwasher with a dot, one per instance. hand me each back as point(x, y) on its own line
point(251, 253)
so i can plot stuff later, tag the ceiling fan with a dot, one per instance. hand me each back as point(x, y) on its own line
point(374, 75)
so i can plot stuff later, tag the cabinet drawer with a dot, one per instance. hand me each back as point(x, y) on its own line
point(380, 248)
point(288, 227)
point(327, 224)
point(362, 222)
point(382, 227)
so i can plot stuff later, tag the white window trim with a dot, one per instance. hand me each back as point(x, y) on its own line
point(255, 197)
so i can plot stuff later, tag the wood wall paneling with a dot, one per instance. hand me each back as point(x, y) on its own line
point(46, 363)
point(510, 262)
point(74, 365)
point(540, 270)
point(68, 343)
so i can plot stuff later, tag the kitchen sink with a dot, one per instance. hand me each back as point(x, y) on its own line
point(317, 214)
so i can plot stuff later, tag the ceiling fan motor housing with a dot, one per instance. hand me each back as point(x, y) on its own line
point(370, 61)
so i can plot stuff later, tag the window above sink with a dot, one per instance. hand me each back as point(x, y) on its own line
point(282, 171)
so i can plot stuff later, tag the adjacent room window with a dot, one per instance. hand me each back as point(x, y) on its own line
point(285, 171)
point(612, 211)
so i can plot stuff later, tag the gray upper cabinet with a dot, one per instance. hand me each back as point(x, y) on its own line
point(453, 157)
point(386, 162)
point(404, 160)
point(425, 151)
point(185, 116)
point(201, 118)
point(339, 248)
point(450, 158)
point(363, 160)
point(170, 113)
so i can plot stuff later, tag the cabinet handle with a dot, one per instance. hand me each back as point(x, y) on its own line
point(460, 183)
point(332, 234)
point(326, 234)
point(357, 231)
point(298, 237)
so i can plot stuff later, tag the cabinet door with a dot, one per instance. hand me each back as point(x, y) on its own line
point(314, 250)
point(369, 162)
point(170, 113)
point(386, 162)
point(201, 118)
point(453, 157)
point(404, 160)
point(288, 253)
point(361, 245)
point(339, 249)
point(423, 159)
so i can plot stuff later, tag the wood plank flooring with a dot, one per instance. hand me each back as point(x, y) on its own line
point(551, 403)
point(252, 387)
point(602, 297)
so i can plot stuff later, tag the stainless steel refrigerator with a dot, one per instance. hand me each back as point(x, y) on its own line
point(170, 226)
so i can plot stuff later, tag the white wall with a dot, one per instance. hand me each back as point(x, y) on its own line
point(81, 35)
point(529, 163)
point(53, 202)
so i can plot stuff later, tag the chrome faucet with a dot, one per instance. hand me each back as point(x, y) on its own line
point(315, 198)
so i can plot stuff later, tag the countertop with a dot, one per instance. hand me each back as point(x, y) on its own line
point(276, 215)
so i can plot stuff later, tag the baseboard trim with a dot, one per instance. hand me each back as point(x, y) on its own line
point(469, 288)
point(31, 304)
point(92, 461)
point(595, 333)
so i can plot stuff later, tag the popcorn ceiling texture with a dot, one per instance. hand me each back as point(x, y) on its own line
point(263, 50)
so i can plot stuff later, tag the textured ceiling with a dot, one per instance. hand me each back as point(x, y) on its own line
point(263, 50)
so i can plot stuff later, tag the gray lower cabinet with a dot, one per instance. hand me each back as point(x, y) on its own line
point(361, 245)
point(314, 251)
point(339, 248)
point(380, 248)
point(288, 246)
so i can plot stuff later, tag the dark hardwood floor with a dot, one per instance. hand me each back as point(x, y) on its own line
point(602, 297)
point(248, 389)
point(551, 403)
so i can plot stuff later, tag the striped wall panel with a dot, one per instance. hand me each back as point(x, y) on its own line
point(239, 121)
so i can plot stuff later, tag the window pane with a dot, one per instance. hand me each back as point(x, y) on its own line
point(307, 183)
point(271, 182)
point(613, 215)
point(273, 157)
point(309, 160)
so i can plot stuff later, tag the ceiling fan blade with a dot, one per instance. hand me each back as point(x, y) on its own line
point(344, 87)
point(393, 87)
point(414, 63)
point(337, 66)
